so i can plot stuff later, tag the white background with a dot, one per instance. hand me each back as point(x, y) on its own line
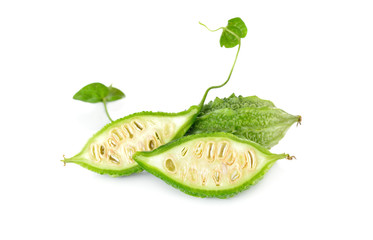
point(312, 58)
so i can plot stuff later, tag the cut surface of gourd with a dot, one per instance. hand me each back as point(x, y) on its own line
point(209, 165)
point(110, 151)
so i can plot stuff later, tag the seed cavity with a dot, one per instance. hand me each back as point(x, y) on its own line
point(217, 177)
point(203, 177)
point(170, 165)
point(117, 135)
point(114, 158)
point(235, 175)
point(243, 161)
point(198, 150)
point(184, 151)
point(128, 130)
point(102, 150)
point(193, 174)
point(247, 160)
point(222, 149)
point(138, 125)
point(130, 151)
point(210, 152)
point(251, 159)
point(157, 136)
point(230, 158)
point(94, 152)
point(184, 172)
point(151, 144)
point(112, 142)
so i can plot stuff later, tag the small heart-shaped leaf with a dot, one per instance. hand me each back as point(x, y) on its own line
point(98, 92)
point(233, 32)
point(92, 93)
point(114, 94)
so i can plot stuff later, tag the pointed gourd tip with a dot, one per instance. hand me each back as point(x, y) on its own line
point(67, 160)
point(288, 157)
point(64, 160)
point(299, 120)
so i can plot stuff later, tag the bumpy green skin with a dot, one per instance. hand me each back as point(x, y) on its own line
point(233, 102)
point(135, 169)
point(112, 173)
point(247, 117)
point(227, 193)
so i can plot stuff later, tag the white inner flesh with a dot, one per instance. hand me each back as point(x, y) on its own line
point(209, 163)
point(114, 148)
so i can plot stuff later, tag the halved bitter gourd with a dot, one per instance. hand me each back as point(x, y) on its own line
point(209, 165)
point(110, 150)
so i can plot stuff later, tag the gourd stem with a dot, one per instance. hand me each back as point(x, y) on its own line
point(107, 113)
point(230, 74)
point(210, 29)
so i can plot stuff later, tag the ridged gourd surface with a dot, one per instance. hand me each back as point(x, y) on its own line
point(251, 118)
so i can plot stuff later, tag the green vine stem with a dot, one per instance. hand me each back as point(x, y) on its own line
point(107, 113)
point(234, 63)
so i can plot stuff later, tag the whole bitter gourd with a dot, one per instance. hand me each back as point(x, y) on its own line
point(251, 118)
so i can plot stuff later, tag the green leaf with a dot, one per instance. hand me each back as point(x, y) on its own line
point(92, 93)
point(98, 92)
point(233, 32)
point(114, 94)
